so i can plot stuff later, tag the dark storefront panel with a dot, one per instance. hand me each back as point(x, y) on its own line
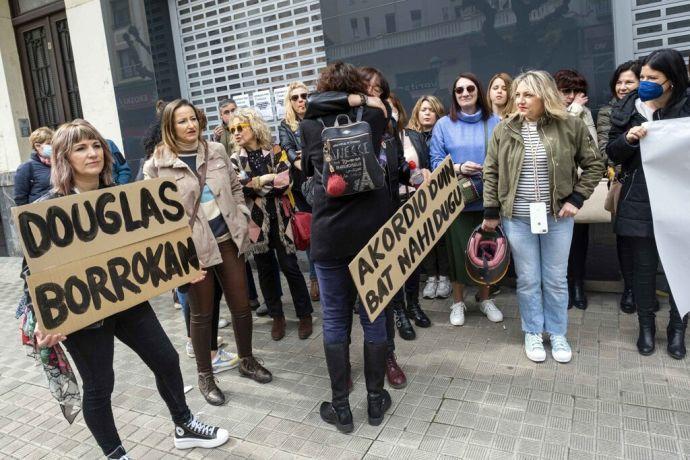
point(142, 60)
point(421, 46)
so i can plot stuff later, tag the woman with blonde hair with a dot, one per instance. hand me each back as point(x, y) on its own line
point(265, 176)
point(498, 96)
point(290, 138)
point(82, 163)
point(212, 196)
point(531, 186)
point(416, 140)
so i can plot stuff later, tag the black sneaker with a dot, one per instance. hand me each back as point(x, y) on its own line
point(196, 433)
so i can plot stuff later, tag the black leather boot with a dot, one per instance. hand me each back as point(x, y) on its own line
point(337, 412)
point(676, 334)
point(645, 341)
point(414, 311)
point(378, 399)
point(628, 301)
point(579, 296)
point(402, 323)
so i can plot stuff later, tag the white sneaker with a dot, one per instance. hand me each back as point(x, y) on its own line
point(489, 308)
point(223, 323)
point(196, 433)
point(189, 349)
point(560, 349)
point(534, 347)
point(178, 306)
point(224, 361)
point(430, 287)
point(457, 314)
point(444, 288)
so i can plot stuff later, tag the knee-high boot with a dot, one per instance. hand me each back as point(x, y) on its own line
point(378, 399)
point(337, 412)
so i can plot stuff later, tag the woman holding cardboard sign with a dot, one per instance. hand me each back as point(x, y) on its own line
point(531, 185)
point(82, 163)
point(212, 195)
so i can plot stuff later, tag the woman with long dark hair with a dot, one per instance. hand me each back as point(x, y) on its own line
point(625, 79)
point(662, 94)
point(464, 135)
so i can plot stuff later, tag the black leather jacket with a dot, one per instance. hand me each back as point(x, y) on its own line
point(397, 170)
point(290, 142)
point(634, 214)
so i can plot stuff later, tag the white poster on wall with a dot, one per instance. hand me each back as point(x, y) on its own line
point(263, 104)
point(666, 160)
point(279, 97)
point(242, 101)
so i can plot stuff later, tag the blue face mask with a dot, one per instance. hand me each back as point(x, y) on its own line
point(47, 151)
point(649, 90)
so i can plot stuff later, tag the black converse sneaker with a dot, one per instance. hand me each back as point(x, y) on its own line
point(196, 433)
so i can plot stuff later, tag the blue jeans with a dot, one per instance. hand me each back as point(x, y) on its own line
point(541, 264)
point(338, 295)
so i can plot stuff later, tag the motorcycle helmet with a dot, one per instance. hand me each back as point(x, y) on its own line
point(487, 256)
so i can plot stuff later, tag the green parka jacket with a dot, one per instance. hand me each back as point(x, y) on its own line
point(568, 146)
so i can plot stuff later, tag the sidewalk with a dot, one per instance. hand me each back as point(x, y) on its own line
point(471, 394)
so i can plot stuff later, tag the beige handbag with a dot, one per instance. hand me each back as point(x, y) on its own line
point(593, 211)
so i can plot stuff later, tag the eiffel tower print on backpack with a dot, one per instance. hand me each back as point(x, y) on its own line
point(350, 165)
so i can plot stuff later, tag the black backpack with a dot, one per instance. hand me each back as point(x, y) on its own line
point(350, 165)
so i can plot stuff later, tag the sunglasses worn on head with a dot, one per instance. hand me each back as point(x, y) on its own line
point(461, 89)
point(302, 96)
point(238, 128)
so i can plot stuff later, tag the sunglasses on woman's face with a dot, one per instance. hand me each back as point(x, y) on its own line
point(461, 89)
point(238, 128)
point(302, 96)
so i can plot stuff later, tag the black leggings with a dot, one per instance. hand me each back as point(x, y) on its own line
point(92, 352)
point(645, 260)
point(577, 259)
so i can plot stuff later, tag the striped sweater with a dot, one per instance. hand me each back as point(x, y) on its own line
point(533, 185)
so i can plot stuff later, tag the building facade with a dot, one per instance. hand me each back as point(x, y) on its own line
point(109, 61)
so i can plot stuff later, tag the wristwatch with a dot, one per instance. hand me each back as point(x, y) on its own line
point(363, 99)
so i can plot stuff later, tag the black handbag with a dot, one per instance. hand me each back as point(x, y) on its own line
point(350, 165)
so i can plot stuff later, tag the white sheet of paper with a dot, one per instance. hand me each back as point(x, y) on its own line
point(263, 104)
point(279, 98)
point(666, 161)
point(242, 101)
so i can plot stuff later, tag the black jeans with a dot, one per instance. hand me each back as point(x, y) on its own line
point(645, 263)
point(92, 352)
point(436, 262)
point(270, 284)
point(577, 260)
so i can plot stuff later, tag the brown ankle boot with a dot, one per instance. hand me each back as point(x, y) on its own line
point(278, 329)
point(305, 327)
point(209, 389)
point(251, 368)
point(314, 291)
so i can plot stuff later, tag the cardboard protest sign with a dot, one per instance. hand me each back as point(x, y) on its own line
point(394, 252)
point(97, 253)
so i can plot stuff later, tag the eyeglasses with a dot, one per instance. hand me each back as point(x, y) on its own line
point(238, 128)
point(302, 96)
point(461, 89)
